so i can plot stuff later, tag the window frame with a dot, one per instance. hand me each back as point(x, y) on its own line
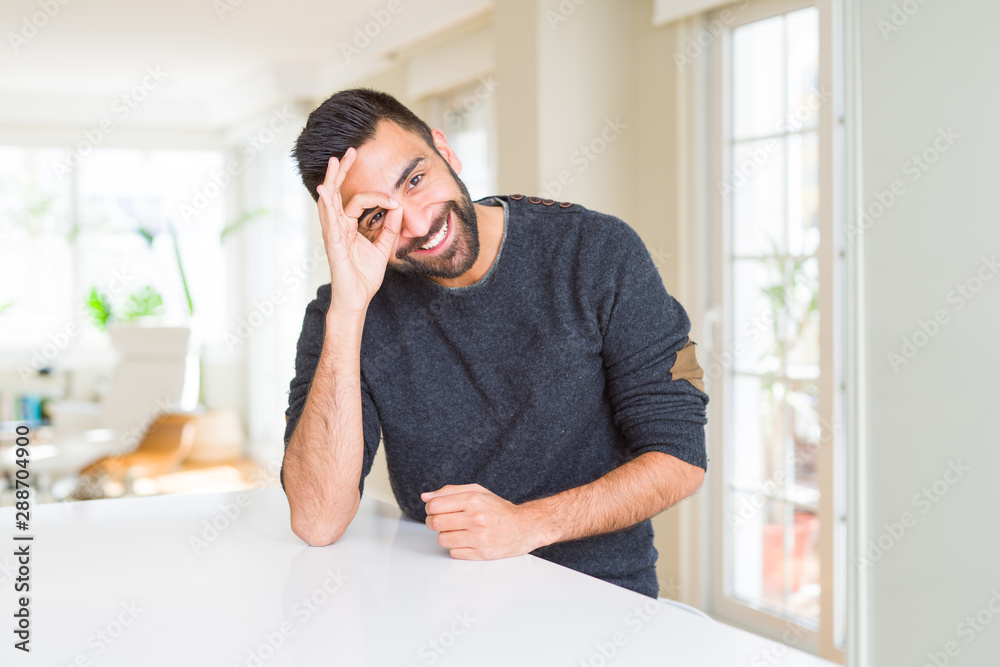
point(709, 90)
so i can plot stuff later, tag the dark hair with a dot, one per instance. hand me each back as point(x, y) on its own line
point(348, 118)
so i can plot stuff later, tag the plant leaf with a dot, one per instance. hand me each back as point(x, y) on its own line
point(246, 217)
point(143, 302)
point(100, 309)
point(180, 268)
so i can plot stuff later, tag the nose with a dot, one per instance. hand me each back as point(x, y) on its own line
point(418, 221)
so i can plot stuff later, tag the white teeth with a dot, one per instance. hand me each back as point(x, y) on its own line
point(437, 237)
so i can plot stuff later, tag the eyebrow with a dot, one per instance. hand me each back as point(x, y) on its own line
point(407, 170)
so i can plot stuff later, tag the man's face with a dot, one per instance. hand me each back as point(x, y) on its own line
point(439, 235)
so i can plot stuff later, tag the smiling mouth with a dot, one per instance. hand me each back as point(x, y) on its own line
point(438, 239)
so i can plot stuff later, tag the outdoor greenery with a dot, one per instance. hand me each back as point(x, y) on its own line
point(143, 302)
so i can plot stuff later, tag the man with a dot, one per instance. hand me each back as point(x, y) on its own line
point(531, 378)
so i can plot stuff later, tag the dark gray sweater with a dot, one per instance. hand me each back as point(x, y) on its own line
point(550, 371)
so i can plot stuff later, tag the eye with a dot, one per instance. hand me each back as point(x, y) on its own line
point(416, 179)
point(376, 219)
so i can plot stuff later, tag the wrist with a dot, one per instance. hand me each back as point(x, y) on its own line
point(342, 337)
point(543, 525)
point(345, 324)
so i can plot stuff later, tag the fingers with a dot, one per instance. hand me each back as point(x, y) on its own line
point(441, 523)
point(364, 200)
point(332, 168)
point(389, 234)
point(450, 489)
point(452, 521)
point(326, 205)
point(448, 504)
point(336, 170)
point(463, 545)
point(345, 166)
point(456, 539)
point(454, 498)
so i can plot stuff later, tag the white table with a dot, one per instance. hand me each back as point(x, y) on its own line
point(126, 582)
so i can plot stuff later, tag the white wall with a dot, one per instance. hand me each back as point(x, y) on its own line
point(940, 69)
point(566, 102)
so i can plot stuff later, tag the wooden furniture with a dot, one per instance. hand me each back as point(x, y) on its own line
point(165, 445)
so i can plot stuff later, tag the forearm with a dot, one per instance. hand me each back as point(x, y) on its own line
point(625, 496)
point(323, 460)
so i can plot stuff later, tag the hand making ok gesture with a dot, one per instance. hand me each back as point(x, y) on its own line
point(357, 264)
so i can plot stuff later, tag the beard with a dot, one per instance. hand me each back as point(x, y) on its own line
point(463, 247)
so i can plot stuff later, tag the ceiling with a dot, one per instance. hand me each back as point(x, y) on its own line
point(215, 61)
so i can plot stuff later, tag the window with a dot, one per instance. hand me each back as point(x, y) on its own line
point(467, 116)
point(36, 268)
point(107, 225)
point(777, 265)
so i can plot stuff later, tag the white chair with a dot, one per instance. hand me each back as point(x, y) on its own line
point(157, 372)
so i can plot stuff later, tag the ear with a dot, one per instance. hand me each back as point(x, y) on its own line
point(441, 144)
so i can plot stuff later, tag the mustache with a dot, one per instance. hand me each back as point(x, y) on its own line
point(435, 228)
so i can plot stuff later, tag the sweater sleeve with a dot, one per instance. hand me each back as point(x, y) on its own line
point(653, 378)
point(306, 360)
